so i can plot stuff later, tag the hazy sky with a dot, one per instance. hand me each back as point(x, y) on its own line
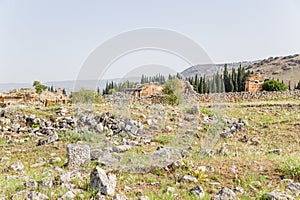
point(49, 40)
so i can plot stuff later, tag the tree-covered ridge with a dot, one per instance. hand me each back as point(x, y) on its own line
point(233, 81)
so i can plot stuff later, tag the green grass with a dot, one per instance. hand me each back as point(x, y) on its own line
point(290, 169)
point(206, 111)
point(163, 139)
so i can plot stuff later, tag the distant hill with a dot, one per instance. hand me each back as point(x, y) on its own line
point(210, 69)
point(68, 85)
point(286, 68)
point(4, 87)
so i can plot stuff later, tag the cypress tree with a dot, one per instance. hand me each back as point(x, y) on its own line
point(226, 79)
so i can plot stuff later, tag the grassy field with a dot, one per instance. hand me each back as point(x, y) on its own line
point(243, 160)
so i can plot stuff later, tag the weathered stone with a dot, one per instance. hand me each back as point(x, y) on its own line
point(144, 198)
point(277, 196)
point(78, 155)
point(99, 196)
point(68, 195)
point(198, 191)
point(149, 122)
point(121, 148)
point(68, 176)
point(24, 194)
point(189, 118)
point(238, 189)
point(17, 167)
point(189, 178)
point(31, 185)
point(225, 194)
point(54, 160)
point(275, 151)
point(170, 190)
point(168, 128)
point(99, 180)
point(48, 140)
point(46, 184)
point(96, 154)
point(39, 164)
point(255, 141)
point(294, 188)
point(120, 197)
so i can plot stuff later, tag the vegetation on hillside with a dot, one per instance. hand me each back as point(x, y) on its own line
point(86, 97)
point(233, 81)
point(112, 87)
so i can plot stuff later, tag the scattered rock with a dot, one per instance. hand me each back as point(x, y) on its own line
point(54, 160)
point(68, 195)
point(277, 196)
point(120, 197)
point(275, 151)
point(189, 178)
point(121, 148)
point(198, 192)
point(144, 198)
point(50, 139)
point(16, 166)
point(31, 185)
point(39, 164)
point(170, 190)
point(46, 184)
point(225, 194)
point(255, 141)
point(168, 128)
point(24, 194)
point(238, 189)
point(294, 188)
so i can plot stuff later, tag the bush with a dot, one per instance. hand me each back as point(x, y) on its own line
point(112, 91)
point(173, 91)
point(272, 85)
point(86, 96)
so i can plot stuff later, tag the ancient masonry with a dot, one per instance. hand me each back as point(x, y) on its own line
point(46, 98)
point(144, 90)
point(254, 83)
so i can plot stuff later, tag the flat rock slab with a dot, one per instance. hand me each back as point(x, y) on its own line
point(78, 155)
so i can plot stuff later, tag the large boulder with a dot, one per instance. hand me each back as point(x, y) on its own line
point(78, 155)
point(102, 182)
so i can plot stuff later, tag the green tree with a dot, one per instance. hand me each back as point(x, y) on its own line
point(173, 91)
point(272, 85)
point(226, 79)
point(39, 88)
point(64, 92)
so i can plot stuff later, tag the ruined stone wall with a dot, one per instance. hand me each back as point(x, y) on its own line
point(246, 96)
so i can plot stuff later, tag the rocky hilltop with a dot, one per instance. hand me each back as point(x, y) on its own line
point(286, 68)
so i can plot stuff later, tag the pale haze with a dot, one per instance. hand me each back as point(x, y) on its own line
point(50, 40)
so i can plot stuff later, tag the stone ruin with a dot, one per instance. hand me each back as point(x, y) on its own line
point(254, 83)
point(22, 96)
point(144, 90)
